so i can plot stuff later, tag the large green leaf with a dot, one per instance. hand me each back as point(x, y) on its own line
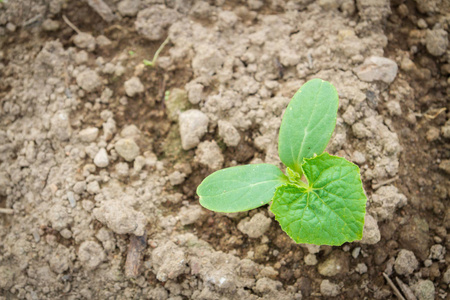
point(240, 188)
point(330, 211)
point(308, 123)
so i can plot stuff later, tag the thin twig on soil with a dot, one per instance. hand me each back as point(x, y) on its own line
point(71, 25)
point(135, 254)
point(33, 21)
point(380, 184)
point(394, 288)
point(7, 211)
point(409, 295)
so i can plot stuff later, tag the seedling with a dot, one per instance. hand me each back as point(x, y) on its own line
point(155, 57)
point(327, 208)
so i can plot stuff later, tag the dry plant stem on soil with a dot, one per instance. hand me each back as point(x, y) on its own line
point(7, 211)
point(135, 255)
point(409, 295)
point(71, 25)
point(394, 288)
point(380, 184)
point(434, 115)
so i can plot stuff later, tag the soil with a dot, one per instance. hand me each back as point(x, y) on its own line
point(97, 181)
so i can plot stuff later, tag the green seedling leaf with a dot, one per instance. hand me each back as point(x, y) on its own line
point(240, 188)
point(330, 211)
point(308, 123)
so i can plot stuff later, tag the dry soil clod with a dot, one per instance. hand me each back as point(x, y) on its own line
point(102, 9)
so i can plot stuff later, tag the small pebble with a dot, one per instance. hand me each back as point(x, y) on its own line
point(310, 259)
point(422, 24)
point(424, 290)
point(11, 27)
point(193, 125)
point(66, 233)
point(36, 236)
point(91, 254)
point(361, 268)
point(209, 154)
point(406, 262)
point(71, 198)
point(446, 277)
point(139, 163)
point(255, 226)
point(377, 68)
point(230, 135)
point(101, 159)
point(50, 25)
point(355, 252)
point(128, 8)
point(445, 165)
point(127, 149)
point(176, 178)
point(79, 187)
point(191, 214)
point(133, 87)
point(88, 80)
point(84, 41)
point(437, 252)
point(329, 289)
point(103, 41)
point(93, 187)
point(122, 169)
point(436, 41)
point(433, 134)
point(81, 57)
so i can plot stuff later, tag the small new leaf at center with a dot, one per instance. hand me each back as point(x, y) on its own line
point(295, 178)
point(330, 211)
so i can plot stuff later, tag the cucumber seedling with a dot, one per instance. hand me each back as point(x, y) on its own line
point(326, 209)
point(152, 63)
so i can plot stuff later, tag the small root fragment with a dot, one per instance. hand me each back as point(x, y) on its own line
point(434, 114)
